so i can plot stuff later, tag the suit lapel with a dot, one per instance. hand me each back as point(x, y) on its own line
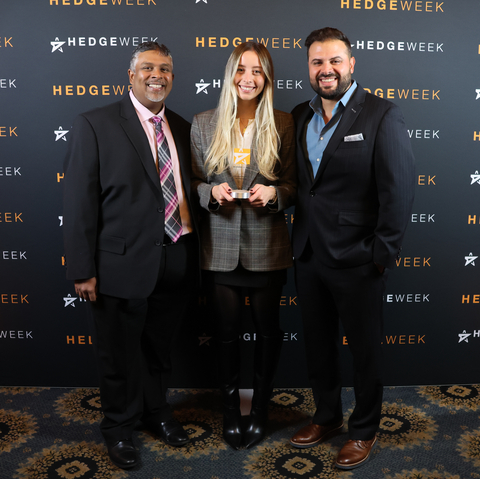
point(134, 130)
point(251, 170)
point(182, 146)
point(303, 121)
point(350, 114)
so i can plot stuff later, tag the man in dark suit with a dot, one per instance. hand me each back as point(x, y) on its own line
point(130, 246)
point(354, 196)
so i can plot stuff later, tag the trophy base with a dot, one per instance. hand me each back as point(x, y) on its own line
point(240, 194)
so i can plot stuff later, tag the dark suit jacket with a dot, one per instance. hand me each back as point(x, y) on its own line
point(113, 203)
point(357, 207)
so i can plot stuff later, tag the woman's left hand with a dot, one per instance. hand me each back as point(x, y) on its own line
point(260, 195)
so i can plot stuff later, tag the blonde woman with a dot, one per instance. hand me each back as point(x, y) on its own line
point(244, 178)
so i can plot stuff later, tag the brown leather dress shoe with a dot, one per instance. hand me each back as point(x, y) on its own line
point(313, 434)
point(355, 453)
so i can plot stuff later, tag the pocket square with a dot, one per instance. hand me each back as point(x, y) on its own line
point(357, 137)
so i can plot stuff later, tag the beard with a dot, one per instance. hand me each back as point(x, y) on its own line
point(343, 84)
point(155, 97)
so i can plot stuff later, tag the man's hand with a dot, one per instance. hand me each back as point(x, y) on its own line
point(260, 195)
point(86, 288)
point(222, 193)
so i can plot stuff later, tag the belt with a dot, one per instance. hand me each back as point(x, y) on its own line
point(167, 241)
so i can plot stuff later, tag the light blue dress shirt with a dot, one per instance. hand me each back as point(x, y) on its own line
point(319, 134)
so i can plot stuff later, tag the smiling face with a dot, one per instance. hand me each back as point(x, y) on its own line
point(152, 79)
point(249, 80)
point(330, 68)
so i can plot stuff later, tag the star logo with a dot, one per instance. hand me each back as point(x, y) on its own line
point(470, 259)
point(57, 45)
point(477, 91)
point(202, 86)
point(241, 156)
point(464, 336)
point(204, 339)
point(475, 178)
point(197, 1)
point(69, 301)
point(60, 134)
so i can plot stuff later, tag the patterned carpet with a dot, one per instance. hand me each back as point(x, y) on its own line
point(430, 432)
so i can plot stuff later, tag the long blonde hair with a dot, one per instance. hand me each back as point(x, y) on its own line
point(267, 141)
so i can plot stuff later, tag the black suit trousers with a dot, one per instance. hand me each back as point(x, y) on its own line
point(133, 340)
point(352, 297)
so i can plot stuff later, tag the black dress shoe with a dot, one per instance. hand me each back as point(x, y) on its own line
point(172, 433)
point(123, 454)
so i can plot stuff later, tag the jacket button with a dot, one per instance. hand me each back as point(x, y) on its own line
point(158, 242)
point(312, 193)
point(160, 210)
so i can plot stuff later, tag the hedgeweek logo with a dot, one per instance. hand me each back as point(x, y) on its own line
point(60, 134)
point(464, 337)
point(400, 46)
point(69, 300)
point(57, 45)
point(103, 41)
point(417, 6)
point(102, 3)
point(470, 259)
point(202, 87)
point(205, 87)
point(475, 178)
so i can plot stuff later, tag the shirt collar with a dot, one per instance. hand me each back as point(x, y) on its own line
point(143, 112)
point(316, 102)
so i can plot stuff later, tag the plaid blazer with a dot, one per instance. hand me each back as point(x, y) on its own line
point(257, 238)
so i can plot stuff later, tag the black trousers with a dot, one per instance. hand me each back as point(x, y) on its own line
point(352, 297)
point(133, 343)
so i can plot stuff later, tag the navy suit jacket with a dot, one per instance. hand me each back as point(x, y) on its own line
point(358, 205)
point(114, 210)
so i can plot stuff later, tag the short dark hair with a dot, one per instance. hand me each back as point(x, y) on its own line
point(145, 47)
point(326, 34)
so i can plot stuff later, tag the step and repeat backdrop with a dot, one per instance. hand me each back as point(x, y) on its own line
point(59, 58)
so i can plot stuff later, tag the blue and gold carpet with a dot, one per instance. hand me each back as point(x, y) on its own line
point(430, 432)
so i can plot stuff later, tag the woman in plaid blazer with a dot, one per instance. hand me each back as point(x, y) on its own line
point(245, 148)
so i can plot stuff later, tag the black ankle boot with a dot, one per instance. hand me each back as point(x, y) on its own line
point(257, 426)
point(232, 427)
point(229, 368)
point(267, 354)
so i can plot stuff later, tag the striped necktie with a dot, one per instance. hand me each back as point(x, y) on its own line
point(173, 223)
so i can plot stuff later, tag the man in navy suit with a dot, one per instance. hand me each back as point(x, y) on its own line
point(119, 250)
point(354, 196)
